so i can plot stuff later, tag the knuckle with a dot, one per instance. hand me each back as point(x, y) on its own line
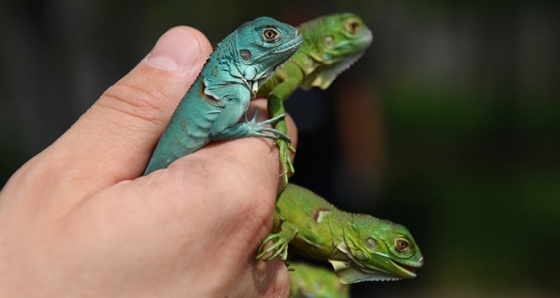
point(148, 104)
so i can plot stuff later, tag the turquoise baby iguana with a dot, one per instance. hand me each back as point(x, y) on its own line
point(220, 95)
point(307, 281)
point(331, 44)
point(360, 247)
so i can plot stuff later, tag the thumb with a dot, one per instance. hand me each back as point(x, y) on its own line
point(113, 140)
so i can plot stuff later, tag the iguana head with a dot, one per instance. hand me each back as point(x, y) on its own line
point(375, 249)
point(260, 46)
point(333, 43)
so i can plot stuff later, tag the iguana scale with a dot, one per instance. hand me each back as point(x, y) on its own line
point(220, 95)
point(331, 44)
point(360, 247)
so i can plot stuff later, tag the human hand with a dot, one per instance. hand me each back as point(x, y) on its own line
point(78, 221)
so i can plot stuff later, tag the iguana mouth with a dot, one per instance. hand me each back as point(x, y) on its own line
point(406, 271)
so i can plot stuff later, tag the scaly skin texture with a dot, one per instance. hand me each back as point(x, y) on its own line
point(218, 98)
point(330, 45)
point(308, 281)
point(360, 247)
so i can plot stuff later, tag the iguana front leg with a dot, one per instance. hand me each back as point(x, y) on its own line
point(275, 109)
point(279, 241)
point(221, 130)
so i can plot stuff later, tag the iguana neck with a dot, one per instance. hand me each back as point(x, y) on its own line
point(304, 57)
point(226, 58)
point(342, 230)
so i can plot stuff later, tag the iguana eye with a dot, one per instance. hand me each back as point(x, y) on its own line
point(329, 41)
point(401, 244)
point(353, 27)
point(270, 34)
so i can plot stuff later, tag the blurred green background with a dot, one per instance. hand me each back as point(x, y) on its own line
point(449, 124)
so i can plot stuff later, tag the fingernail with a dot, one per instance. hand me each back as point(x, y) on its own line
point(176, 49)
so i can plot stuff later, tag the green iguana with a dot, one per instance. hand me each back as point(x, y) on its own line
point(331, 44)
point(359, 247)
point(220, 95)
point(308, 281)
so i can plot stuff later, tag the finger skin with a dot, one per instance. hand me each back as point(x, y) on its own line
point(76, 220)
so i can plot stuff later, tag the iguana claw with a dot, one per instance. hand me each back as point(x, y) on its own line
point(259, 127)
point(280, 242)
point(278, 247)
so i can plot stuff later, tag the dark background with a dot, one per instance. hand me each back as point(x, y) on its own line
point(449, 124)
